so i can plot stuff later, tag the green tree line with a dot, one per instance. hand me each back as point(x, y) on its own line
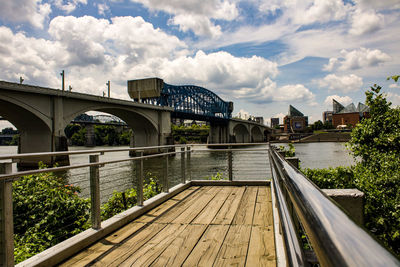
point(104, 135)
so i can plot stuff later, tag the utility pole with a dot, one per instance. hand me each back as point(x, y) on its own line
point(63, 81)
point(108, 87)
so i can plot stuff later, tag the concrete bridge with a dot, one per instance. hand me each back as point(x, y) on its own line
point(41, 115)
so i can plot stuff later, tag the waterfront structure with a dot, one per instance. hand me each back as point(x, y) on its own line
point(295, 121)
point(327, 116)
point(274, 122)
point(348, 116)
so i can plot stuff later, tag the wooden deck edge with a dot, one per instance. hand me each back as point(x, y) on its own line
point(69, 247)
point(279, 247)
point(230, 183)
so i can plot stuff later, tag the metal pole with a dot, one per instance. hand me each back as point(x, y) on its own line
point(188, 152)
point(183, 164)
point(139, 174)
point(230, 164)
point(108, 87)
point(6, 220)
point(95, 192)
point(165, 174)
point(63, 81)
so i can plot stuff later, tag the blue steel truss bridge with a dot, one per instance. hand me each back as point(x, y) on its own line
point(189, 101)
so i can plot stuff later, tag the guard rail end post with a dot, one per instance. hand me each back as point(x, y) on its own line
point(165, 172)
point(230, 171)
point(183, 164)
point(95, 192)
point(139, 174)
point(6, 213)
point(188, 152)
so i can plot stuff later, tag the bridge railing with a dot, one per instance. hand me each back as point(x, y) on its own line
point(335, 238)
point(181, 154)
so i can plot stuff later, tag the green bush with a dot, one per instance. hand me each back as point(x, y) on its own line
point(375, 143)
point(46, 212)
point(121, 201)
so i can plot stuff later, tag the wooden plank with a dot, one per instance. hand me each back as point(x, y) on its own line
point(245, 212)
point(185, 204)
point(233, 251)
point(206, 250)
point(124, 251)
point(104, 245)
point(262, 247)
point(186, 193)
point(209, 212)
point(265, 193)
point(154, 213)
point(150, 251)
point(228, 210)
point(263, 212)
point(176, 253)
point(189, 214)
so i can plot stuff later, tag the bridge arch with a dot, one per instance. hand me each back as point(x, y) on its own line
point(145, 129)
point(35, 133)
point(241, 133)
point(256, 135)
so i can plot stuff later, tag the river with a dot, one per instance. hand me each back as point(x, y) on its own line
point(204, 165)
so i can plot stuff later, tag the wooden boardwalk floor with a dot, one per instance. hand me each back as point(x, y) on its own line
point(201, 226)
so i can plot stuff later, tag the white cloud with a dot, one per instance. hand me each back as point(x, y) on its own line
point(344, 100)
point(394, 98)
point(345, 83)
point(381, 4)
point(195, 15)
point(357, 59)
point(103, 9)
point(364, 22)
point(19, 11)
point(394, 85)
point(319, 11)
point(200, 25)
point(69, 5)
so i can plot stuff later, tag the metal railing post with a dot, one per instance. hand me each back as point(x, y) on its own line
point(188, 166)
point(139, 174)
point(230, 171)
point(95, 192)
point(6, 220)
point(165, 173)
point(183, 164)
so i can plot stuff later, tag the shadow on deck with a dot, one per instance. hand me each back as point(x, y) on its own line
point(200, 226)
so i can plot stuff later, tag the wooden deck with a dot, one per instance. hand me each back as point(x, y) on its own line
point(201, 226)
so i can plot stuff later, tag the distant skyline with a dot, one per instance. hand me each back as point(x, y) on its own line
point(261, 54)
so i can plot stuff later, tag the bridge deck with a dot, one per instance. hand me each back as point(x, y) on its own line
point(202, 226)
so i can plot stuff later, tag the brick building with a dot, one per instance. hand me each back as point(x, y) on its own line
point(349, 115)
point(295, 121)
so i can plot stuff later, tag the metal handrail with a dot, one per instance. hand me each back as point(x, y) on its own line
point(335, 238)
point(78, 152)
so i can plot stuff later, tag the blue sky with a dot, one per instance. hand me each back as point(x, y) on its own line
point(261, 54)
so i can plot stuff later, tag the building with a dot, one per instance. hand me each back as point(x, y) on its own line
point(327, 116)
point(295, 121)
point(274, 122)
point(348, 116)
point(259, 120)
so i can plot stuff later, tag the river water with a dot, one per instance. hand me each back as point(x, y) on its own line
point(204, 165)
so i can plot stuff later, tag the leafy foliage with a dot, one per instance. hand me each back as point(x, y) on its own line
point(375, 142)
point(46, 212)
point(194, 133)
point(290, 151)
point(121, 201)
point(104, 135)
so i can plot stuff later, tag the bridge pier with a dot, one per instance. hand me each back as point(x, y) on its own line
point(90, 140)
point(218, 133)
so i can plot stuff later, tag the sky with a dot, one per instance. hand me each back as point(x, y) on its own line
point(263, 55)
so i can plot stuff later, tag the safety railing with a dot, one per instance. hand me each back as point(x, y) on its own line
point(95, 166)
point(334, 237)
